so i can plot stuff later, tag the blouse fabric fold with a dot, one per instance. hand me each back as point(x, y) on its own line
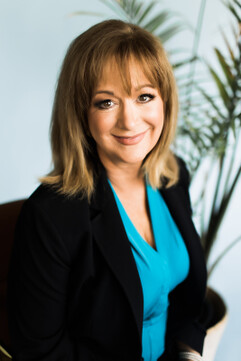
point(160, 269)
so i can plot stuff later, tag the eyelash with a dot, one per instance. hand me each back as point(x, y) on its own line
point(101, 104)
point(150, 96)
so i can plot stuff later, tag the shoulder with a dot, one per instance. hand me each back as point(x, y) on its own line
point(58, 207)
point(53, 219)
point(184, 176)
point(182, 185)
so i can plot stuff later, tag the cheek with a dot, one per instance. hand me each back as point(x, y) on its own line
point(157, 120)
point(157, 123)
point(95, 123)
point(156, 115)
point(99, 125)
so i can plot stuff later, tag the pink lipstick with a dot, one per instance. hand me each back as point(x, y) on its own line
point(135, 139)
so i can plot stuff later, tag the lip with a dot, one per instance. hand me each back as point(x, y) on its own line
point(135, 139)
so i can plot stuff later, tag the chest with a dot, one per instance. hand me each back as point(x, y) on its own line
point(137, 209)
point(113, 294)
point(140, 217)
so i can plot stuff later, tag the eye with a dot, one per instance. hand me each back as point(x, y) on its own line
point(145, 98)
point(104, 104)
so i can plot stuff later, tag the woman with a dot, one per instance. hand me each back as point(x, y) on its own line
point(107, 264)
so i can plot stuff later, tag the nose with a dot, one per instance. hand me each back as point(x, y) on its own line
point(128, 115)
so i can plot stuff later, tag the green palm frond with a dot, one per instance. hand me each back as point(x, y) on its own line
point(221, 87)
point(226, 69)
point(222, 254)
point(227, 81)
point(234, 11)
point(145, 13)
point(212, 102)
point(91, 13)
point(116, 7)
point(167, 34)
point(155, 22)
point(230, 50)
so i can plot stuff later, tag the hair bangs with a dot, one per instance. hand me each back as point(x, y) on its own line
point(124, 50)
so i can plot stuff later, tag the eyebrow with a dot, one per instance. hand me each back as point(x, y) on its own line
point(112, 93)
point(145, 86)
point(105, 92)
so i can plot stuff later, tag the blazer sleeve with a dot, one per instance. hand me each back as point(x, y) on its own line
point(189, 329)
point(37, 291)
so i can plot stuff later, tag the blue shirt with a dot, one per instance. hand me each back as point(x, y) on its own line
point(160, 269)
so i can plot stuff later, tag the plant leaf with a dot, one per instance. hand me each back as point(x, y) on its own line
point(168, 33)
point(226, 69)
point(237, 3)
point(221, 87)
point(220, 257)
point(211, 101)
point(234, 12)
point(184, 62)
point(137, 9)
point(146, 12)
point(157, 21)
point(231, 53)
point(127, 6)
point(117, 8)
point(86, 13)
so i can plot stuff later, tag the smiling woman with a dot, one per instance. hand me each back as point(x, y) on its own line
point(118, 120)
point(97, 56)
point(106, 263)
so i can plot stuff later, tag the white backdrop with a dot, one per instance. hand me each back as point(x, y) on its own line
point(34, 36)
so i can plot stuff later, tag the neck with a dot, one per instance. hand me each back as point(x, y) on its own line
point(124, 176)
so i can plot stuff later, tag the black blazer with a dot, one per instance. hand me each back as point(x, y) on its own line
point(74, 289)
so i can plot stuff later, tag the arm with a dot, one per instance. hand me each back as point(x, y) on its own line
point(191, 334)
point(37, 294)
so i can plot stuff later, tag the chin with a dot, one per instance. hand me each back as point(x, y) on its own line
point(131, 159)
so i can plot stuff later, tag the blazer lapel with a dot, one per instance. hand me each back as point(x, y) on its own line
point(110, 235)
point(177, 203)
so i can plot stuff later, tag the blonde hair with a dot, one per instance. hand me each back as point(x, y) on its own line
point(73, 150)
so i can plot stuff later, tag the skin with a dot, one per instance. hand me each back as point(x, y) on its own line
point(126, 128)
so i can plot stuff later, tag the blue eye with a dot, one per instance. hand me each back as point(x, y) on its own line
point(104, 104)
point(145, 98)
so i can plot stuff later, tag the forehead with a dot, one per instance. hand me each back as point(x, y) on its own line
point(126, 74)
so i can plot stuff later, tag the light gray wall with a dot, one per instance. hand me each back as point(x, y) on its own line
point(34, 36)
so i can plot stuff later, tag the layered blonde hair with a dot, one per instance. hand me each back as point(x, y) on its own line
point(73, 149)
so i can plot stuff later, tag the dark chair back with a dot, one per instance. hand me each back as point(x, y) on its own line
point(8, 217)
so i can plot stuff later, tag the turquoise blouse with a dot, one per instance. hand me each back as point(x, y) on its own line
point(160, 269)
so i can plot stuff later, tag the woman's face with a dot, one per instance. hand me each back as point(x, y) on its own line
point(125, 127)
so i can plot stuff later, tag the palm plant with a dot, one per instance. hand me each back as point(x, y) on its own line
point(209, 126)
point(224, 114)
point(144, 14)
point(209, 132)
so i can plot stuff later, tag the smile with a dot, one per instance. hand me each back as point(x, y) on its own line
point(135, 139)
